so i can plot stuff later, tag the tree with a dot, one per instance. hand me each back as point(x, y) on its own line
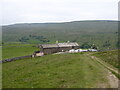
point(85, 46)
point(24, 39)
point(2, 43)
point(118, 44)
point(94, 46)
point(106, 44)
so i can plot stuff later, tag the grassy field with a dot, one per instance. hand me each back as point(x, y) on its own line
point(55, 71)
point(15, 50)
point(111, 57)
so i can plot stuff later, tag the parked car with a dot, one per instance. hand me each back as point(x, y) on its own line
point(92, 50)
point(72, 51)
point(84, 50)
point(77, 50)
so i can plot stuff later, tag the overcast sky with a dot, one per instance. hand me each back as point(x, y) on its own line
point(41, 11)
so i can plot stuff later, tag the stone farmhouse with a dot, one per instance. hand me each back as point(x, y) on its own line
point(58, 47)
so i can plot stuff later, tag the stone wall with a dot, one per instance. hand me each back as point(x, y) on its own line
point(16, 58)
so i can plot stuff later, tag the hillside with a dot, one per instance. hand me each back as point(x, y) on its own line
point(57, 71)
point(101, 33)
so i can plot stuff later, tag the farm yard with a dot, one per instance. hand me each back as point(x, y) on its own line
point(75, 70)
point(18, 50)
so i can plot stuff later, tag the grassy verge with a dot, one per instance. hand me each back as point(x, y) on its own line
point(110, 57)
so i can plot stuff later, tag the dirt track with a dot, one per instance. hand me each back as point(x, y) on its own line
point(113, 80)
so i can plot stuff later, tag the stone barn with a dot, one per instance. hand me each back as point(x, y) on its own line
point(58, 47)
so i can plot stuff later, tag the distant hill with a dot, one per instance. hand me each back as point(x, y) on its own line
point(102, 33)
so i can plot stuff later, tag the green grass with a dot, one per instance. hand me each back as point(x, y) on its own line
point(15, 50)
point(17, 44)
point(0, 76)
point(54, 71)
point(111, 57)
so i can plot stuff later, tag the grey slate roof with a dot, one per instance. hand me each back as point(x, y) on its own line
point(69, 44)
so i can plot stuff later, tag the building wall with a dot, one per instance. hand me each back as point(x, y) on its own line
point(57, 49)
point(50, 50)
point(64, 49)
point(75, 47)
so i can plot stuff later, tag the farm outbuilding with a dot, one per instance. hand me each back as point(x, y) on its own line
point(37, 54)
point(58, 47)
